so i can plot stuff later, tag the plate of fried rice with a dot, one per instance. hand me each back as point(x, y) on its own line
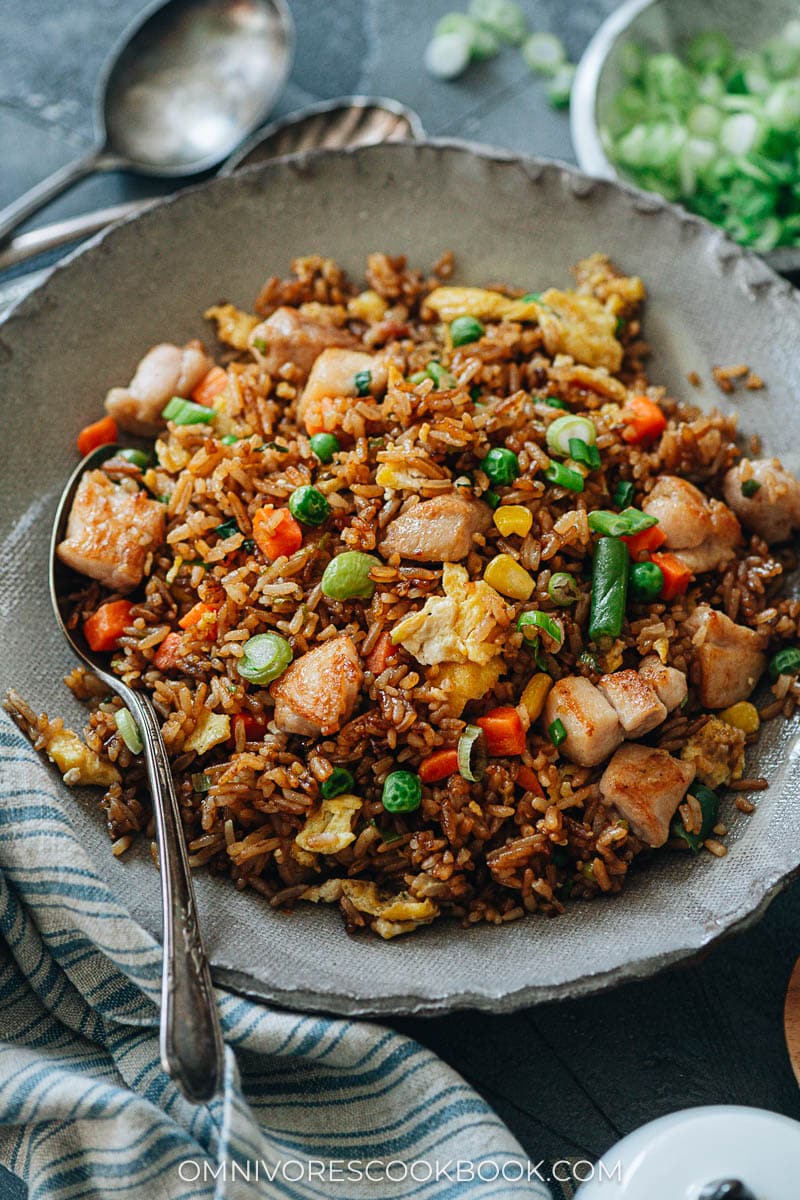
point(448, 519)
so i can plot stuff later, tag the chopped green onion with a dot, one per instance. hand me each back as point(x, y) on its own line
point(559, 88)
point(750, 487)
point(402, 792)
point(709, 806)
point(464, 330)
point(554, 402)
point(566, 429)
point(418, 377)
point(265, 657)
point(230, 439)
point(260, 344)
point(564, 477)
point(441, 376)
point(556, 732)
point(308, 505)
point(623, 493)
point(138, 457)
point(324, 445)
point(338, 782)
point(785, 662)
point(646, 581)
point(129, 730)
point(346, 576)
point(482, 41)
point(471, 752)
point(581, 452)
point(491, 498)
point(227, 528)
point(541, 622)
point(501, 465)
point(362, 381)
point(186, 412)
point(609, 589)
point(531, 297)
point(447, 54)
point(544, 53)
point(201, 782)
point(623, 524)
point(475, 393)
point(503, 17)
point(563, 588)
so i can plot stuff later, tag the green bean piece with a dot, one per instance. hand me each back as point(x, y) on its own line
point(609, 588)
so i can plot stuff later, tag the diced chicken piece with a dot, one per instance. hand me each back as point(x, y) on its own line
point(646, 786)
point(164, 372)
point(635, 702)
point(318, 692)
point(289, 337)
point(668, 683)
point(716, 752)
point(438, 530)
point(729, 659)
point(110, 532)
point(702, 533)
point(592, 726)
point(773, 510)
point(334, 374)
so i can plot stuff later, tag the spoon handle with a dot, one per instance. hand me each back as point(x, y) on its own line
point(191, 1040)
point(47, 189)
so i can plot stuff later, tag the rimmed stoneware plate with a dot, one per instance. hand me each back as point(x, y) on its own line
point(506, 218)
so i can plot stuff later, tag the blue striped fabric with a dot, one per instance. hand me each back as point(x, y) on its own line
point(86, 1111)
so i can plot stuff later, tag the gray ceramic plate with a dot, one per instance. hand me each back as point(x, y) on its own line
point(525, 221)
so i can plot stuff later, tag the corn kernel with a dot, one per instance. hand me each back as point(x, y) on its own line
point(535, 694)
point(368, 306)
point(506, 576)
point(743, 715)
point(513, 518)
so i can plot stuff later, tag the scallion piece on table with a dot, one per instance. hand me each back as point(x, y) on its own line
point(544, 53)
point(447, 54)
point(623, 524)
point(503, 17)
point(483, 42)
point(609, 588)
point(128, 730)
point(471, 752)
point(186, 412)
point(564, 477)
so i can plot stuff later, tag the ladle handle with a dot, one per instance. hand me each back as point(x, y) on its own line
point(47, 189)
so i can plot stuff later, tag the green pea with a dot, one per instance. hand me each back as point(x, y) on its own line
point(464, 330)
point(441, 376)
point(307, 504)
point(325, 445)
point(646, 581)
point(346, 577)
point(402, 792)
point(339, 781)
point(266, 656)
point(501, 465)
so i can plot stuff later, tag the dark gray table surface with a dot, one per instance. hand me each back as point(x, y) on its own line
point(569, 1078)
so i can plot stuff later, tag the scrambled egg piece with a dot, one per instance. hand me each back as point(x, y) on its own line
point(594, 379)
point(77, 763)
point(467, 681)
point(328, 830)
point(367, 306)
point(233, 325)
point(578, 325)
point(395, 914)
point(717, 752)
point(211, 729)
point(462, 626)
point(620, 293)
point(451, 302)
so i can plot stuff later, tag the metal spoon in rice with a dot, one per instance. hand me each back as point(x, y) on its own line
point(191, 1040)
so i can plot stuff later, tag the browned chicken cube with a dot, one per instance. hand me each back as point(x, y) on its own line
point(591, 724)
point(289, 337)
point(770, 504)
point(636, 704)
point(668, 683)
point(702, 533)
point(646, 786)
point(164, 372)
point(439, 530)
point(111, 531)
point(318, 692)
point(334, 374)
point(729, 659)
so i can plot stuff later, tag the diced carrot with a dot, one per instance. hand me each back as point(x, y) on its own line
point(439, 765)
point(99, 433)
point(325, 414)
point(168, 653)
point(641, 545)
point(210, 387)
point(276, 532)
point(254, 725)
point(503, 731)
point(529, 780)
point(104, 627)
point(643, 419)
point(381, 654)
point(677, 576)
point(195, 614)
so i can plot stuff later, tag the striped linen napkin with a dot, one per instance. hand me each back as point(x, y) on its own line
point(312, 1107)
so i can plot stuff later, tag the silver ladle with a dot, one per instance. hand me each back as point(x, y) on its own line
point(185, 84)
point(191, 1046)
